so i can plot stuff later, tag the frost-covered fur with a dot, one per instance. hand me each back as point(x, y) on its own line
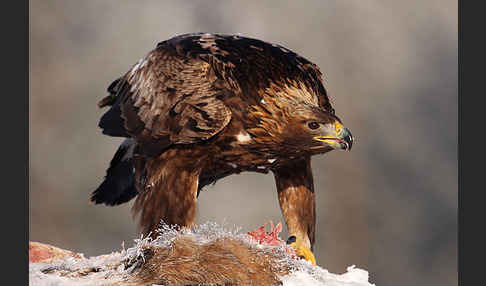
point(208, 254)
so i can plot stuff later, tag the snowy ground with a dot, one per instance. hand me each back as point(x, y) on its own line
point(111, 268)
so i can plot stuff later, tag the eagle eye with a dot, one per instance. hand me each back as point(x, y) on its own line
point(313, 125)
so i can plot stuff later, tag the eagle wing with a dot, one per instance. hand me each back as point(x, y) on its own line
point(166, 98)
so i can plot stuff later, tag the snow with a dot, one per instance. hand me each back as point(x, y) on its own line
point(68, 271)
point(316, 276)
point(113, 268)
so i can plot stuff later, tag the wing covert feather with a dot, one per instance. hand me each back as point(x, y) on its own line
point(167, 98)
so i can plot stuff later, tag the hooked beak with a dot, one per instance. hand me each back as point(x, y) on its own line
point(337, 136)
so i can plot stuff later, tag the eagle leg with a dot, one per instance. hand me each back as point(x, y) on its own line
point(295, 189)
point(168, 192)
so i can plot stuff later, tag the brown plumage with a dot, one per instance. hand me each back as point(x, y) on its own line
point(200, 107)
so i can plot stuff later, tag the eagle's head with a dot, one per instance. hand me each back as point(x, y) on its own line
point(316, 131)
point(291, 121)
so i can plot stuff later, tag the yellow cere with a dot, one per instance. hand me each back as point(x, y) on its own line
point(338, 127)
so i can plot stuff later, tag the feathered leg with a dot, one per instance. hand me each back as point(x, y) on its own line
point(168, 188)
point(295, 189)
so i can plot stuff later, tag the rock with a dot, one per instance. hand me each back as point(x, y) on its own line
point(41, 252)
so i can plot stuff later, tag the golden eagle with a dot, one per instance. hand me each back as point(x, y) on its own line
point(200, 107)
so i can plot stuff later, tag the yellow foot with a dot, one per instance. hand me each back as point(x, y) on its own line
point(301, 250)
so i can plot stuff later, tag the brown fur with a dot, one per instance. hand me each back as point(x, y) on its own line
point(221, 262)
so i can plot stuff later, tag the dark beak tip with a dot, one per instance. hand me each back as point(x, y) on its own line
point(349, 139)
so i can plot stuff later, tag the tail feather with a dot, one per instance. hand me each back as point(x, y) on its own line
point(118, 186)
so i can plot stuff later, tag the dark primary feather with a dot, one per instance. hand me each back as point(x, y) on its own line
point(112, 90)
point(118, 186)
point(112, 122)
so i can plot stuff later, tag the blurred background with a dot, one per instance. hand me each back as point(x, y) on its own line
point(388, 206)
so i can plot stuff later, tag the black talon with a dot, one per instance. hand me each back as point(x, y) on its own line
point(291, 239)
